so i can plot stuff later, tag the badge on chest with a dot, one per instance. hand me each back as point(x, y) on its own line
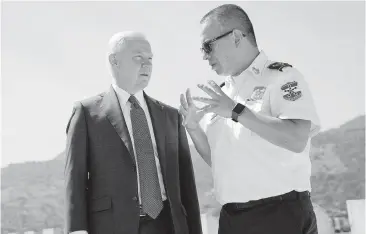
point(258, 93)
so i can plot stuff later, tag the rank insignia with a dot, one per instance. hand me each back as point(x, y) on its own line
point(291, 91)
point(279, 66)
point(255, 70)
point(258, 93)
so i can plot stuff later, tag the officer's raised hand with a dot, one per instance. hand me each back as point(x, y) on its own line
point(219, 102)
point(192, 115)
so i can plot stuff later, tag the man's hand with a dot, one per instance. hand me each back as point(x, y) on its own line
point(192, 115)
point(220, 104)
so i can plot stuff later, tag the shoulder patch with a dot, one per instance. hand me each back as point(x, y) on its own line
point(291, 91)
point(278, 66)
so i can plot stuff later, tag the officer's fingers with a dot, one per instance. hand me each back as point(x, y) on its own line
point(205, 100)
point(189, 98)
point(215, 86)
point(208, 108)
point(207, 90)
point(183, 101)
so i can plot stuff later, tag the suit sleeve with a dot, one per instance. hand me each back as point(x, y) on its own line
point(187, 183)
point(76, 172)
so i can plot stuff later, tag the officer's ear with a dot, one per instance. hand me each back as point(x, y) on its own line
point(113, 60)
point(237, 36)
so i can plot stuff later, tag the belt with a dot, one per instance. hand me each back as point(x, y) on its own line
point(291, 196)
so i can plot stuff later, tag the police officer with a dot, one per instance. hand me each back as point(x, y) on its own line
point(255, 129)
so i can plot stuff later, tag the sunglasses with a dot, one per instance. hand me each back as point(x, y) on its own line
point(207, 45)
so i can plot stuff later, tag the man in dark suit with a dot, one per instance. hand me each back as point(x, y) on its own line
point(128, 167)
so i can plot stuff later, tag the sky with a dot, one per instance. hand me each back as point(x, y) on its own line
point(54, 53)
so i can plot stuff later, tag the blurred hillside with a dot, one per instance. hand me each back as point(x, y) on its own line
point(32, 192)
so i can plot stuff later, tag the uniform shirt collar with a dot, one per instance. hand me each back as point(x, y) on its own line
point(123, 96)
point(258, 65)
point(255, 68)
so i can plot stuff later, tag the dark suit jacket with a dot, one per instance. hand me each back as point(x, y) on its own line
point(100, 171)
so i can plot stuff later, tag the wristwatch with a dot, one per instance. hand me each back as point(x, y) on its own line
point(238, 110)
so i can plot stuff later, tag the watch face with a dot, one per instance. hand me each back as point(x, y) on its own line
point(238, 108)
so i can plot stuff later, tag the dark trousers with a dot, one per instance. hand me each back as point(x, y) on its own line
point(163, 224)
point(291, 215)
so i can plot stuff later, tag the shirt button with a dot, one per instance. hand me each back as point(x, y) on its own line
point(134, 198)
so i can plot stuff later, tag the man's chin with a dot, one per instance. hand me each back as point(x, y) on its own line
point(219, 72)
point(217, 68)
point(143, 84)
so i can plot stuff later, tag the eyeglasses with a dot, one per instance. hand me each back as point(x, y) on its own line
point(207, 45)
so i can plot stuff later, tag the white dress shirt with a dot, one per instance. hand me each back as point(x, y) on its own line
point(123, 97)
point(245, 166)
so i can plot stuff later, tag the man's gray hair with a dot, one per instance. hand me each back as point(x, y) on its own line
point(231, 16)
point(117, 40)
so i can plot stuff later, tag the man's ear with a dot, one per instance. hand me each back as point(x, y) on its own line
point(113, 60)
point(237, 36)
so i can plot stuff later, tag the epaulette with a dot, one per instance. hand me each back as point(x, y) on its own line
point(278, 66)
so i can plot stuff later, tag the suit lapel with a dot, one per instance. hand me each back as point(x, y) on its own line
point(157, 115)
point(115, 116)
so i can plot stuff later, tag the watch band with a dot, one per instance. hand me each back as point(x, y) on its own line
point(238, 110)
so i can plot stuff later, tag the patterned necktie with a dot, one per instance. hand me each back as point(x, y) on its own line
point(151, 199)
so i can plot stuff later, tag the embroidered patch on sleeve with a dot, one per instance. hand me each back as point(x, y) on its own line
point(291, 91)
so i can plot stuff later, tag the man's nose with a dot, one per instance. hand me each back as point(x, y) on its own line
point(146, 63)
point(206, 56)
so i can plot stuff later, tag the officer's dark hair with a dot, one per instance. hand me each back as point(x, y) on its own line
point(233, 17)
